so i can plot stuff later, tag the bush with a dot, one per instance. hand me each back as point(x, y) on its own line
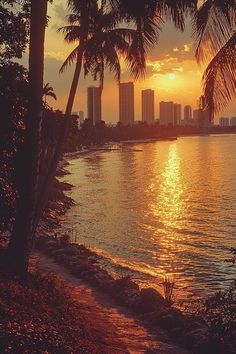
point(219, 312)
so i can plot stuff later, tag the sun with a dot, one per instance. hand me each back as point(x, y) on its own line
point(172, 76)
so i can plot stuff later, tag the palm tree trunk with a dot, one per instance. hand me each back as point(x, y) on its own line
point(44, 190)
point(23, 231)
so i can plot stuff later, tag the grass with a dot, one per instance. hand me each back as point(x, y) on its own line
point(168, 289)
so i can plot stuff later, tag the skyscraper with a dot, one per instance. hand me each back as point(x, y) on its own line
point(187, 113)
point(126, 103)
point(177, 114)
point(166, 113)
point(233, 121)
point(148, 106)
point(224, 122)
point(94, 104)
point(196, 114)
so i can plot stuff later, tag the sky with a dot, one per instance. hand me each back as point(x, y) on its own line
point(172, 71)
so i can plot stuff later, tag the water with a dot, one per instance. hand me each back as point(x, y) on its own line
point(160, 208)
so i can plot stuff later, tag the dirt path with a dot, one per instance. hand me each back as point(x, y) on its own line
point(120, 332)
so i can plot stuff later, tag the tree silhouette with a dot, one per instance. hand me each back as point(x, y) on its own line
point(48, 92)
point(215, 31)
point(24, 227)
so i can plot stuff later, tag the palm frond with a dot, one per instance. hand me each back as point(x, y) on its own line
point(112, 61)
point(74, 18)
point(71, 33)
point(53, 95)
point(220, 78)
point(72, 57)
point(176, 11)
point(213, 25)
point(173, 10)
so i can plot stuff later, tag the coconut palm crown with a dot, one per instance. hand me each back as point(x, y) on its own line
point(216, 40)
point(48, 91)
point(106, 40)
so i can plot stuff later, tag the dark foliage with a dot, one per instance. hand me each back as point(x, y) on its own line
point(219, 311)
point(14, 29)
point(13, 103)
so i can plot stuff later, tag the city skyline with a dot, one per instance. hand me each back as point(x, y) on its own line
point(170, 112)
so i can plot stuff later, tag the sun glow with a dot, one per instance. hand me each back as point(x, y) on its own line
point(171, 76)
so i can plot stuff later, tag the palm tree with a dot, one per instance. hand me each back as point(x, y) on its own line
point(48, 92)
point(215, 31)
point(101, 44)
point(23, 231)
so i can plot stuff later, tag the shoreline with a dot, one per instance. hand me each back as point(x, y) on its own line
point(118, 145)
point(114, 146)
point(184, 329)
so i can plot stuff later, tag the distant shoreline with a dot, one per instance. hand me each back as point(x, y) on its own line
point(109, 146)
point(115, 145)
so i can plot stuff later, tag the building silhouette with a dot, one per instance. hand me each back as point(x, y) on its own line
point(233, 121)
point(177, 114)
point(187, 113)
point(224, 122)
point(126, 103)
point(148, 110)
point(94, 104)
point(166, 113)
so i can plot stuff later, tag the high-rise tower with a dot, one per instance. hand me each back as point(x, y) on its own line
point(187, 113)
point(166, 113)
point(126, 103)
point(94, 104)
point(148, 114)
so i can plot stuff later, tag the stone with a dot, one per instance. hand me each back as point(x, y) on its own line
point(125, 283)
point(150, 300)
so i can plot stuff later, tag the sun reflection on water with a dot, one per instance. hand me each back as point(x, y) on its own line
point(171, 190)
point(167, 205)
point(167, 208)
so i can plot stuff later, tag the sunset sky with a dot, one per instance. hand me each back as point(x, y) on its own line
point(171, 70)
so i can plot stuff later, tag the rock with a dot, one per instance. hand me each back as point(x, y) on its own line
point(125, 283)
point(99, 277)
point(150, 300)
point(171, 320)
point(129, 297)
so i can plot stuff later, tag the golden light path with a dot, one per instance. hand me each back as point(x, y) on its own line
point(171, 191)
point(167, 205)
point(168, 208)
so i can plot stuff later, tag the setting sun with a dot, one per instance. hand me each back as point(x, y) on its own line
point(171, 76)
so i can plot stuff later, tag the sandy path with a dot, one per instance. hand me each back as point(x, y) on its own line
point(120, 332)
